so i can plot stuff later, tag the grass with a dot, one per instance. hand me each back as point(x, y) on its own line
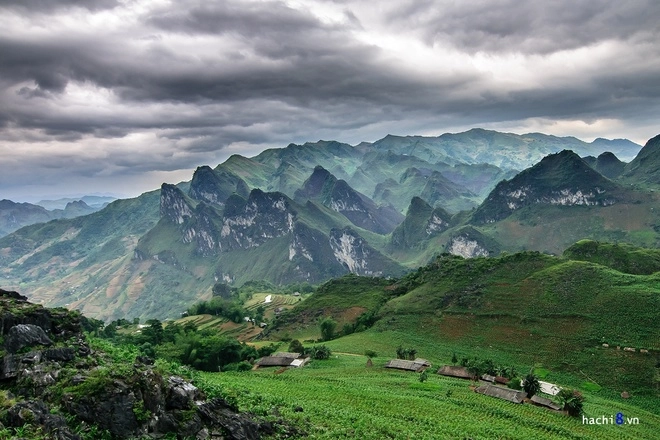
point(342, 398)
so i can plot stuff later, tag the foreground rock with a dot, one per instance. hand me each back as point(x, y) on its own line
point(46, 366)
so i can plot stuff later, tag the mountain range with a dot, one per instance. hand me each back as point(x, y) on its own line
point(14, 216)
point(307, 213)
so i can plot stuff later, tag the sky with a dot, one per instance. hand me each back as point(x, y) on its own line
point(118, 96)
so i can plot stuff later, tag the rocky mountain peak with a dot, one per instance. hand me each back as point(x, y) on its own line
point(174, 205)
point(215, 186)
point(559, 179)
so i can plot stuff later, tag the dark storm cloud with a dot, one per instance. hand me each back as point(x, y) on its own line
point(46, 6)
point(264, 19)
point(529, 26)
point(168, 88)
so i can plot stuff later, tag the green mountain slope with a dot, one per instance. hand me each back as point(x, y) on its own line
point(644, 169)
point(522, 308)
point(64, 262)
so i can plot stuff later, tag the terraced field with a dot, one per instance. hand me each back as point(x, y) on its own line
point(342, 398)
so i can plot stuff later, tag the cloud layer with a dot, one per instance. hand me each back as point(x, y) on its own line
point(114, 95)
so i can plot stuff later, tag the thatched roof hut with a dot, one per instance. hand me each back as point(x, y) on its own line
point(402, 364)
point(454, 371)
point(502, 393)
point(488, 378)
point(542, 401)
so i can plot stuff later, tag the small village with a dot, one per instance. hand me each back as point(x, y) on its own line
point(485, 384)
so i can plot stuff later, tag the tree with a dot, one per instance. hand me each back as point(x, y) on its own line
point(572, 401)
point(454, 359)
point(423, 376)
point(328, 326)
point(531, 384)
point(296, 347)
point(154, 333)
point(221, 289)
point(475, 369)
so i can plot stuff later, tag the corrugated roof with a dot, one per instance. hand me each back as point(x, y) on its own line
point(502, 393)
point(422, 362)
point(542, 401)
point(402, 364)
point(274, 361)
point(454, 371)
point(286, 354)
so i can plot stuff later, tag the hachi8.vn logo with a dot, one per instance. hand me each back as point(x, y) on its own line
point(618, 419)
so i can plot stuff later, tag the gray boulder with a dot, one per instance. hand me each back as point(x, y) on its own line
point(25, 335)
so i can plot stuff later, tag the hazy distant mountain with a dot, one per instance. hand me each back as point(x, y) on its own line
point(97, 202)
point(14, 216)
point(306, 213)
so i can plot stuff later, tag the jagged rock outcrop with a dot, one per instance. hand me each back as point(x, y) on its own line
point(357, 256)
point(262, 217)
point(174, 205)
point(468, 242)
point(203, 230)
point(25, 335)
point(128, 400)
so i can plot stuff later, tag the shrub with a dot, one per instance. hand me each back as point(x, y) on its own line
point(370, 354)
point(319, 352)
point(514, 383)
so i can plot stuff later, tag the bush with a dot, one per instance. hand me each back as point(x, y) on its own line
point(238, 366)
point(319, 352)
point(370, 354)
point(514, 383)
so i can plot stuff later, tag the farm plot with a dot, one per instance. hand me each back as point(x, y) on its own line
point(341, 398)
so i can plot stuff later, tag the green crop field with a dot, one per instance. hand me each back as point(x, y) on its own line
point(343, 398)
